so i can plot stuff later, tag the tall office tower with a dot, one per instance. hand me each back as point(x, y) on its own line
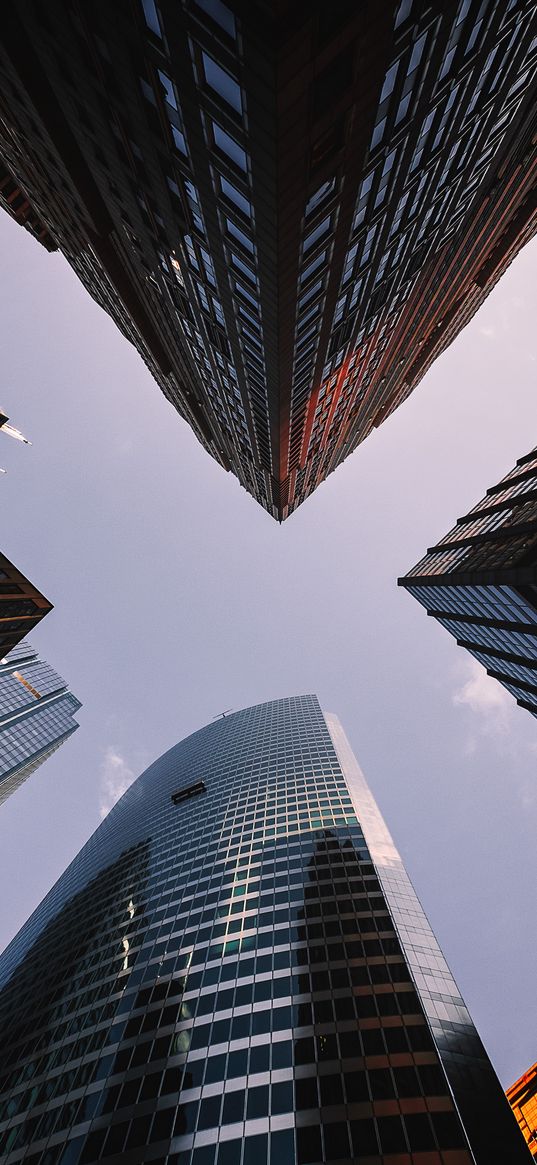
point(522, 1096)
point(36, 715)
point(22, 606)
point(480, 581)
point(290, 208)
point(236, 970)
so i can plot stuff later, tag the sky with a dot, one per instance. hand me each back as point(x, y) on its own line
point(176, 597)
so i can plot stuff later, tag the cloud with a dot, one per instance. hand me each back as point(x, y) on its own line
point(116, 776)
point(485, 697)
point(488, 331)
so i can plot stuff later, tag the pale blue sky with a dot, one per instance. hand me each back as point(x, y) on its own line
point(176, 596)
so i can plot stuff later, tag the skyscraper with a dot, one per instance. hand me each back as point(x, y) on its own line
point(480, 581)
point(290, 209)
point(235, 969)
point(522, 1096)
point(22, 606)
point(36, 715)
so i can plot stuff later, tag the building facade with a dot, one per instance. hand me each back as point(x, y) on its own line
point(22, 606)
point(290, 209)
point(522, 1096)
point(236, 970)
point(480, 581)
point(36, 715)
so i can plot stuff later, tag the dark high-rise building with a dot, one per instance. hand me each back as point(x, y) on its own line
point(36, 715)
point(522, 1096)
point(480, 581)
point(236, 970)
point(22, 606)
point(289, 208)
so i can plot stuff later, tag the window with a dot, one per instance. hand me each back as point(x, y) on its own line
point(179, 140)
point(243, 268)
point(231, 192)
point(320, 230)
point(151, 16)
point(417, 53)
point(229, 146)
point(320, 195)
point(188, 792)
point(378, 133)
point(222, 82)
point(310, 293)
point(220, 13)
point(240, 235)
point(403, 13)
point(245, 294)
point(169, 89)
point(389, 82)
point(313, 266)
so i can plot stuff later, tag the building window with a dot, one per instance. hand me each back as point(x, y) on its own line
point(231, 192)
point(179, 140)
point(322, 229)
point(229, 146)
point(222, 83)
point(220, 13)
point(389, 82)
point(239, 235)
point(151, 16)
point(320, 195)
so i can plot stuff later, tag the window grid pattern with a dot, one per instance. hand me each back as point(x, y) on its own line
point(223, 980)
point(281, 343)
point(393, 233)
point(36, 715)
point(479, 581)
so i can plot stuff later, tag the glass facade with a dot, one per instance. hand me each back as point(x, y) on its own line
point(36, 715)
point(289, 239)
point(235, 971)
point(480, 581)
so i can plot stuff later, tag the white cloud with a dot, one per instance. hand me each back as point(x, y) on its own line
point(488, 331)
point(486, 697)
point(116, 776)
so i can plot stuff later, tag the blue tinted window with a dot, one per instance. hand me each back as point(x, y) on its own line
point(235, 195)
point(240, 235)
point(222, 82)
point(220, 13)
point(151, 16)
point(229, 146)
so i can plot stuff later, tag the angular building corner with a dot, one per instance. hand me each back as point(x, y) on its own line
point(235, 970)
point(289, 209)
point(480, 581)
point(22, 606)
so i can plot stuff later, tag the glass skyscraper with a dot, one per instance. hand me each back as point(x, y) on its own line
point(36, 715)
point(235, 970)
point(289, 208)
point(480, 581)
